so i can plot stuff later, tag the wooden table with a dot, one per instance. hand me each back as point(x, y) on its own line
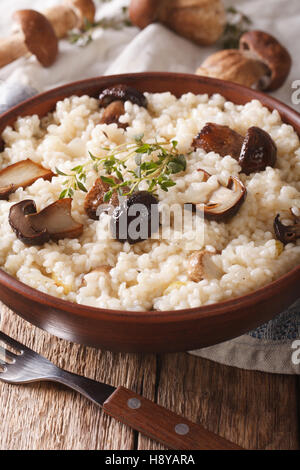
point(254, 409)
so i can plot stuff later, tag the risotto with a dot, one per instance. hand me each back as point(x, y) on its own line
point(96, 269)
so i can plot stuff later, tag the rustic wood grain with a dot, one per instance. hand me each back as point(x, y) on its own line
point(252, 409)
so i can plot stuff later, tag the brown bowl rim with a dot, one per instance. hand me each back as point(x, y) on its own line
point(203, 311)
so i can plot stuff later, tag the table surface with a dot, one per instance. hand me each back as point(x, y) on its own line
point(253, 409)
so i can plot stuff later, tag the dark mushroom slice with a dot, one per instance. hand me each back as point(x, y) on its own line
point(265, 48)
point(225, 202)
point(219, 139)
point(287, 233)
point(18, 220)
point(258, 151)
point(122, 93)
point(21, 175)
point(95, 197)
point(35, 228)
point(136, 219)
point(112, 113)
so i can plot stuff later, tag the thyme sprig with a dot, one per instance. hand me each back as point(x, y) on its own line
point(155, 163)
point(83, 37)
point(237, 24)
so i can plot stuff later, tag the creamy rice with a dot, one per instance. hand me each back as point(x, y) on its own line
point(153, 273)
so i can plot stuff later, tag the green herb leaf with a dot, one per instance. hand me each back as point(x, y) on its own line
point(107, 180)
point(107, 196)
point(59, 172)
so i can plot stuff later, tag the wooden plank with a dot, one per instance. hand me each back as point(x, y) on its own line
point(49, 416)
point(253, 409)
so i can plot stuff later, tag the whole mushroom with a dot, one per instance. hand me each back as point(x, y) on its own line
point(201, 21)
point(69, 15)
point(261, 62)
point(35, 35)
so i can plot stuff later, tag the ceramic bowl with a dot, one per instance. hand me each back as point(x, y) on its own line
point(153, 331)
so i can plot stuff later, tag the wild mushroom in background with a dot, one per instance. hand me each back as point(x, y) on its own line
point(261, 62)
point(202, 21)
point(35, 35)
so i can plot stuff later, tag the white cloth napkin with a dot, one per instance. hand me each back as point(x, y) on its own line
point(158, 49)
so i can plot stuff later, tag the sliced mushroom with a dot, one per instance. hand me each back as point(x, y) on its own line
point(201, 21)
point(35, 228)
point(258, 151)
point(201, 266)
point(234, 66)
point(122, 93)
point(205, 174)
point(95, 197)
point(264, 47)
point(21, 174)
point(18, 219)
point(219, 139)
point(112, 113)
point(225, 202)
point(287, 233)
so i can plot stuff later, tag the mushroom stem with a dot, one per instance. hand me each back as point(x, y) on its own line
point(62, 18)
point(12, 48)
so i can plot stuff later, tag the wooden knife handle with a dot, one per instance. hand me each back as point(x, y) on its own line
point(161, 424)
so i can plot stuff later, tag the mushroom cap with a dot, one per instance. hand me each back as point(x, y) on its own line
point(18, 220)
point(234, 66)
point(258, 151)
point(85, 9)
point(39, 35)
point(219, 139)
point(225, 202)
point(287, 233)
point(122, 93)
point(267, 49)
point(143, 12)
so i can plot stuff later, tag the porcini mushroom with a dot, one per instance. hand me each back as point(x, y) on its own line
point(265, 48)
point(36, 35)
point(224, 202)
point(258, 151)
point(287, 233)
point(201, 21)
point(122, 93)
point(95, 197)
point(201, 266)
point(112, 113)
point(71, 14)
point(52, 223)
point(261, 62)
point(234, 66)
point(21, 175)
point(219, 139)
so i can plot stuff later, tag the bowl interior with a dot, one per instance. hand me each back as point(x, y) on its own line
point(177, 84)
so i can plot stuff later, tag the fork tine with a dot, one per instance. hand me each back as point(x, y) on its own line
point(7, 356)
point(12, 342)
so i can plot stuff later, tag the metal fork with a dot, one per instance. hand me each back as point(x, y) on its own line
point(141, 414)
